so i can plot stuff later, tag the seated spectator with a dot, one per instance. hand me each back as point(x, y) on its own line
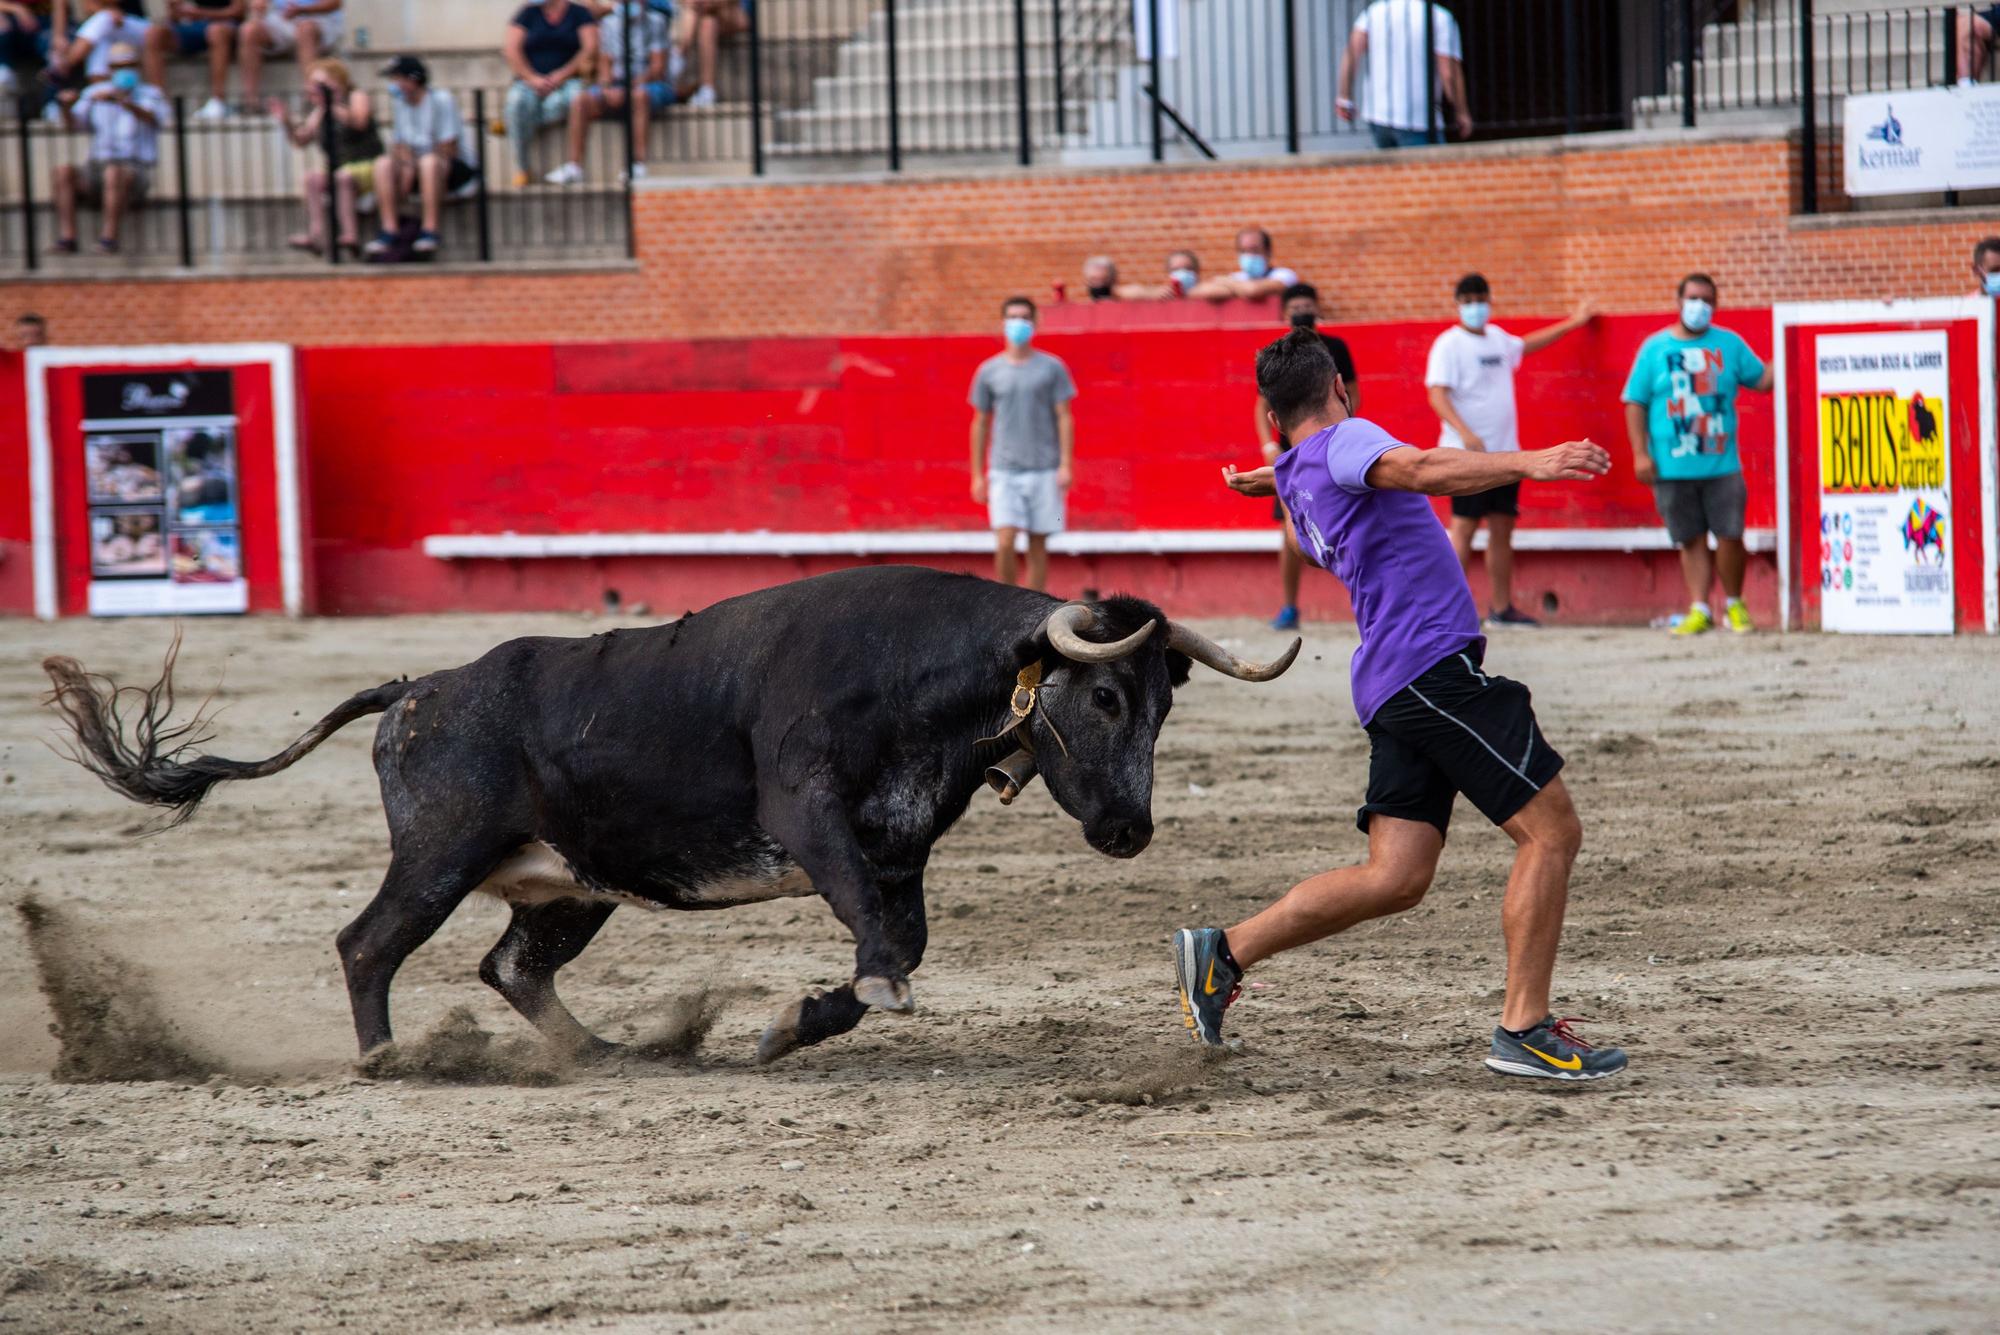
point(423, 155)
point(704, 23)
point(124, 116)
point(191, 28)
point(308, 29)
point(1976, 28)
point(652, 56)
point(86, 54)
point(1255, 276)
point(330, 90)
point(26, 27)
point(550, 45)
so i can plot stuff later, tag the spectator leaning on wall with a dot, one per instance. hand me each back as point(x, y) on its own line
point(124, 116)
point(549, 47)
point(1020, 407)
point(1389, 35)
point(30, 331)
point(1255, 277)
point(1680, 415)
point(1470, 380)
point(1986, 267)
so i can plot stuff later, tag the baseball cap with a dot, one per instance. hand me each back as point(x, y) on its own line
point(122, 53)
point(407, 67)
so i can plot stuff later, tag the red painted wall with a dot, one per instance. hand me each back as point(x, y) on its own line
point(870, 433)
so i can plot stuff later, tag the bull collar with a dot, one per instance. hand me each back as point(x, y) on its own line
point(1026, 698)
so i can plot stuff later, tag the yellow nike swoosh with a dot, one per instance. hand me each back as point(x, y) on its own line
point(1571, 1064)
point(1208, 983)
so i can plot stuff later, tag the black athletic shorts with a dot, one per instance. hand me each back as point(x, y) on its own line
point(1456, 729)
point(1499, 501)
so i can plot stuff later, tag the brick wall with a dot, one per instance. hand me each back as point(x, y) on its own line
point(1618, 218)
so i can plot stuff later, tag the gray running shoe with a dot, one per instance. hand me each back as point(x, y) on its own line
point(1550, 1051)
point(1207, 981)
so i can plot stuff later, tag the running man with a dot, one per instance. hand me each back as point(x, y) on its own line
point(1438, 724)
point(1470, 379)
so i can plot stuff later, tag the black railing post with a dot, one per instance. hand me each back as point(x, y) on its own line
point(1950, 76)
point(1159, 121)
point(1055, 58)
point(326, 142)
point(481, 204)
point(1026, 154)
point(1809, 127)
point(633, 91)
point(1687, 64)
point(895, 102)
point(1572, 72)
point(756, 92)
point(1291, 77)
point(181, 202)
point(1431, 135)
point(30, 251)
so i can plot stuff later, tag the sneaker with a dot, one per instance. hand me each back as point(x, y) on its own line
point(1550, 1051)
point(1696, 622)
point(383, 243)
point(215, 109)
point(569, 173)
point(1287, 618)
point(1207, 982)
point(425, 244)
point(1511, 615)
point(1738, 617)
point(704, 96)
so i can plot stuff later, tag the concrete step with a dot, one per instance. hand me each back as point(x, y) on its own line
point(991, 126)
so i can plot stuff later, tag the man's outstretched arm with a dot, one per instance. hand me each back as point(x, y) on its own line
point(1461, 473)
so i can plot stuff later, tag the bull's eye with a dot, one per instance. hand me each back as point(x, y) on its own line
point(1105, 699)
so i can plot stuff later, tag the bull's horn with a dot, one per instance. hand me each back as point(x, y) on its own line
point(1065, 623)
point(1210, 654)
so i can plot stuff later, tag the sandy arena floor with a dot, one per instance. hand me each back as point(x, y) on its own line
point(1785, 911)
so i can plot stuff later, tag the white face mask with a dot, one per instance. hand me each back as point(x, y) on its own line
point(1474, 314)
point(1696, 313)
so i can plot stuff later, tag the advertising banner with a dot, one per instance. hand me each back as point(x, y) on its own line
point(1885, 481)
point(1922, 140)
point(159, 457)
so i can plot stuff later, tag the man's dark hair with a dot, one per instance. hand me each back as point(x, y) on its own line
point(29, 317)
point(1681, 291)
point(1012, 302)
point(1295, 375)
point(1193, 262)
point(1262, 235)
point(1294, 292)
point(1472, 285)
point(1979, 252)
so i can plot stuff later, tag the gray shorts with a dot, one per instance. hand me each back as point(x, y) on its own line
point(92, 185)
point(1031, 501)
point(1694, 507)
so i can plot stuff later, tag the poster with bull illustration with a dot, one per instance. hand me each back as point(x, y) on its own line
point(1885, 482)
point(160, 463)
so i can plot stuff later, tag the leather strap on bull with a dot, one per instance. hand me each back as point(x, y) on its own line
point(1010, 776)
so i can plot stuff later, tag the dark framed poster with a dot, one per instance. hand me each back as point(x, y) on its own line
point(163, 489)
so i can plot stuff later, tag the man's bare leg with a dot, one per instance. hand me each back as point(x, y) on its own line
point(1402, 858)
point(1730, 559)
point(1546, 835)
point(65, 193)
point(1697, 568)
point(1500, 560)
point(1003, 554)
point(1038, 562)
point(1461, 529)
point(1290, 565)
point(117, 190)
point(431, 177)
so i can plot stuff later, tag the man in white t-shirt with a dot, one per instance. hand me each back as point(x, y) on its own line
point(90, 45)
point(1255, 277)
point(1470, 377)
point(1389, 35)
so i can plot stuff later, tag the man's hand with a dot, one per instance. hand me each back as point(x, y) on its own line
point(1472, 442)
point(1063, 478)
point(1644, 469)
point(1571, 461)
point(979, 489)
point(1464, 120)
point(1271, 451)
point(1259, 482)
point(1584, 313)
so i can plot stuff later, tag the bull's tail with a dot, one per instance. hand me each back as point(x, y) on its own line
point(147, 759)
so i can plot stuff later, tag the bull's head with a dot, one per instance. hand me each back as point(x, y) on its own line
point(1108, 681)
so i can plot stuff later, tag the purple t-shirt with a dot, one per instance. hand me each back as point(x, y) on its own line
point(1410, 597)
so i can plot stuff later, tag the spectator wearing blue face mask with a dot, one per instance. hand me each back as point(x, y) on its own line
point(124, 116)
point(1680, 415)
point(1020, 407)
point(1255, 277)
point(1986, 267)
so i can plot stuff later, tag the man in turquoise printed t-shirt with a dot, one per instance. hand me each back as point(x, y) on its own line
point(1680, 415)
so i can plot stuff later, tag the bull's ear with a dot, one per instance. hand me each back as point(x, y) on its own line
point(1179, 666)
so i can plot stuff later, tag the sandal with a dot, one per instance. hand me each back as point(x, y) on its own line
point(300, 241)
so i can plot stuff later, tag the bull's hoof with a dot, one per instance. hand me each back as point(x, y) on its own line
point(592, 1051)
point(782, 1034)
point(892, 995)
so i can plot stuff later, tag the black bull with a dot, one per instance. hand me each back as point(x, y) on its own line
point(817, 738)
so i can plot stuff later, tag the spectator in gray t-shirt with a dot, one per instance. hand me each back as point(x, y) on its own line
point(1020, 403)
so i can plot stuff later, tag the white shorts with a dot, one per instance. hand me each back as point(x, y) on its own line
point(283, 33)
point(1031, 501)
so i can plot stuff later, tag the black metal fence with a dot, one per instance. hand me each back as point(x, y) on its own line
point(1880, 51)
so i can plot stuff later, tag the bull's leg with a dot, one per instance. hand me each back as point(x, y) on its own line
point(813, 1019)
point(415, 899)
point(540, 939)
